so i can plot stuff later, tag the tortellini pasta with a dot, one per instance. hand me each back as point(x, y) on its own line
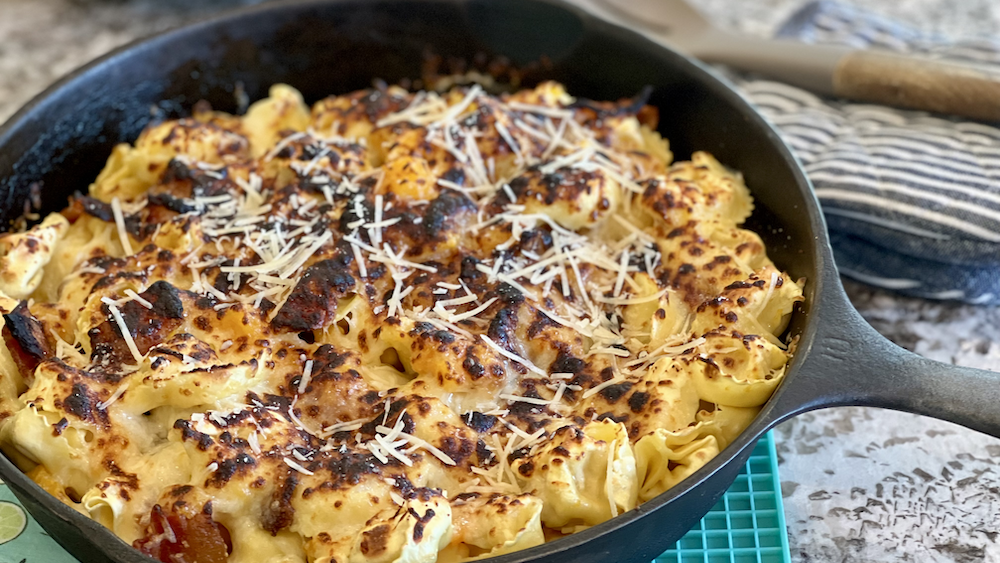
point(392, 327)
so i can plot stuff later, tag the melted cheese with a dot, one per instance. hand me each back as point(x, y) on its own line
point(395, 327)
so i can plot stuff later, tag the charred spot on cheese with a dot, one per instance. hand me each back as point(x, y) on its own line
point(96, 208)
point(147, 326)
point(479, 422)
point(333, 396)
point(82, 402)
point(469, 271)
point(445, 209)
point(126, 479)
point(394, 413)
point(529, 259)
point(637, 401)
point(279, 513)
point(458, 448)
point(472, 365)
point(25, 338)
point(375, 540)
point(455, 175)
point(368, 105)
point(614, 392)
point(171, 202)
point(57, 428)
point(418, 527)
point(537, 241)
point(351, 215)
point(116, 276)
point(502, 327)
point(349, 468)
point(718, 260)
point(165, 299)
point(313, 302)
point(623, 418)
point(230, 420)
point(328, 358)
point(195, 181)
point(202, 441)
point(230, 467)
point(540, 322)
point(567, 363)
point(523, 409)
point(509, 295)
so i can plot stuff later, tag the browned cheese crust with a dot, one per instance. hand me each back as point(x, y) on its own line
point(397, 327)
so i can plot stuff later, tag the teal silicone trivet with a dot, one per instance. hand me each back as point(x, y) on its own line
point(747, 525)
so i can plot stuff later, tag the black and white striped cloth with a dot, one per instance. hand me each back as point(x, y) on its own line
point(912, 200)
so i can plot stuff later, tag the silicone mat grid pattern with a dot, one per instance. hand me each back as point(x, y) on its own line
point(747, 525)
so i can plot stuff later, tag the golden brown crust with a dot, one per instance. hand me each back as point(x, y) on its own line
point(400, 312)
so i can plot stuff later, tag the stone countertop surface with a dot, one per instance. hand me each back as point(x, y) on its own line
point(859, 484)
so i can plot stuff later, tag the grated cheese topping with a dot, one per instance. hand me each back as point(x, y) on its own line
point(116, 209)
point(125, 332)
point(397, 289)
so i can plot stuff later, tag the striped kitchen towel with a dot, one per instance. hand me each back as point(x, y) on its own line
point(912, 200)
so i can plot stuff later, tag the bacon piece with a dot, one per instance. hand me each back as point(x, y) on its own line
point(25, 338)
point(176, 538)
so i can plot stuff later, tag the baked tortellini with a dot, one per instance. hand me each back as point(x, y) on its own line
point(390, 327)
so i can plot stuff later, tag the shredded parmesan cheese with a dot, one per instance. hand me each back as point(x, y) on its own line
point(632, 300)
point(770, 291)
point(126, 334)
point(116, 210)
point(518, 398)
point(114, 397)
point(138, 299)
point(306, 375)
point(296, 466)
point(419, 443)
point(602, 386)
point(259, 251)
point(512, 356)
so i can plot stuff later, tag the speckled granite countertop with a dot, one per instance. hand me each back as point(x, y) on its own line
point(859, 485)
point(867, 485)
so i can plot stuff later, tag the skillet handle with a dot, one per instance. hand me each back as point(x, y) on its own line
point(850, 364)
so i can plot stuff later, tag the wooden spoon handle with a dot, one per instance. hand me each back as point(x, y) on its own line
point(897, 80)
point(916, 83)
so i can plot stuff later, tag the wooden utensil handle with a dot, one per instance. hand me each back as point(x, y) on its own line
point(915, 83)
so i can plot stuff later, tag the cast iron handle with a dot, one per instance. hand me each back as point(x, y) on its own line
point(850, 364)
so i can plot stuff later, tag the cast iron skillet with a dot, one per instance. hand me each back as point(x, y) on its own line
point(61, 140)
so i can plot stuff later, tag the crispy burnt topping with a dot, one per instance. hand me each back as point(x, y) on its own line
point(149, 324)
point(395, 303)
point(175, 535)
point(313, 302)
point(25, 338)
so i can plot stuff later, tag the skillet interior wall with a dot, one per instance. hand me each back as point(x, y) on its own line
point(321, 48)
